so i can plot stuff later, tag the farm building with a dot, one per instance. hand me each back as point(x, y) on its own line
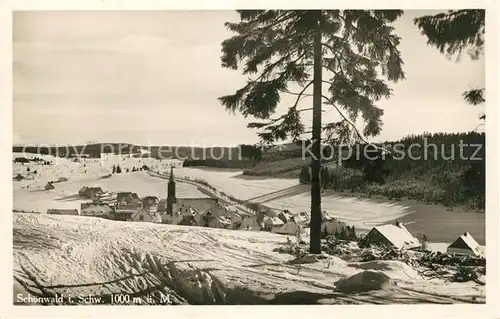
point(250, 223)
point(128, 197)
point(147, 215)
point(83, 191)
point(62, 211)
point(271, 223)
point(91, 209)
point(392, 236)
point(290, 228)
point(49, 186)
point(465, 245)
point(90, 192)
point(105, 198)
point(128, 200)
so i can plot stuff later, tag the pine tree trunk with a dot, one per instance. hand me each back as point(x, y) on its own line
point(315, 238)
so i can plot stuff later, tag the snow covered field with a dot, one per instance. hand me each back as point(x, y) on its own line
point(233, 183)
point(87, 256)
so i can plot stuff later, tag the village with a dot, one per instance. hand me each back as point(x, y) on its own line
point(214, 212)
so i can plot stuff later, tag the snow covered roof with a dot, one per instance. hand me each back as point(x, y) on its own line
point(289, 228)
point(325, 215)
point(466, 239)
point(399, 236)
point(273, 221)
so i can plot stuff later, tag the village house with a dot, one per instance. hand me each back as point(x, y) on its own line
point(90, 192)
point(236, 219)
point(326, 216)
point(146, 215)
point(302, 218)
point(124, 214)
point(205, 219)
point(105, 198)
point(272, 223)
point(250, 223)
point(392, 236)
point(289, 228)
point(128, 201)
point(96, 210)
point(49, 186)
point(465, 245)
point(220, 222)
point(59, 211)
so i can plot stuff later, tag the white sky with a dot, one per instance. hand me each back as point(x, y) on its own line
point(154, 77)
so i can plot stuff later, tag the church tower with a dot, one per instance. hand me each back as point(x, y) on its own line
point(171, 200)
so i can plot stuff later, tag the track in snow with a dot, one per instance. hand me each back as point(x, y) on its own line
point(153, 264)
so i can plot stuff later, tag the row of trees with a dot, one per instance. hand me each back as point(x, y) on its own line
point(352, 52)
point(439, 175)
point(117, 169)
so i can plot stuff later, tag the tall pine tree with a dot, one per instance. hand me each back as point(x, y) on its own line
point(454, 33)
point(352, 52)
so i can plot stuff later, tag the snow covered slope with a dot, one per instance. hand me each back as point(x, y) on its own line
point(85, 256)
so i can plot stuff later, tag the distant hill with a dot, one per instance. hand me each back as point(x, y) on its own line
point(248, 155)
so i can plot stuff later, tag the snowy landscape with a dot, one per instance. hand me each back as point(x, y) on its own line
point(57, 255)
point(113, 205)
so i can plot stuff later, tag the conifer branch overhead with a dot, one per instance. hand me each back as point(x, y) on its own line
point(454, 33)
point(360, 50)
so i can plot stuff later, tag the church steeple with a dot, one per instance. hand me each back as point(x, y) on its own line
point(171, 200)
point(171, 178)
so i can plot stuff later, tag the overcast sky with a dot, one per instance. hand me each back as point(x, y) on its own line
point(154, 77)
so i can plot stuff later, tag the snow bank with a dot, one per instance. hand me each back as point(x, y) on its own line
point(395, 269)
point(365, 281)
